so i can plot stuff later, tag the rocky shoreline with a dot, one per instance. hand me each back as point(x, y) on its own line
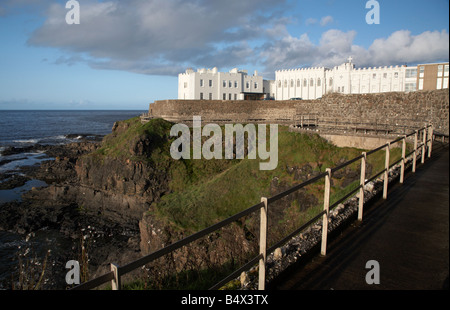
point(53, 229)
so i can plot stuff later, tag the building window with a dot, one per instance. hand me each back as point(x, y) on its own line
point(305, 82)
point(342, 89)
point(298, 83)
point(279, 83)
point(224, 96)
point(331, 82)
point(210, 83)
point(374, 76)
point(384, 75)
point(285, 83)
point(292, 83)
point(319, 82)
point(420, 84)
point(235, 96)
point(230, 84)
point(421, 72)
point(201, 83)
point(439, 83)
point(440, 70)
point(235, 84)
point(210, 96)
point(411, 73)
point(185, 84)
point(247, 85)
point(395, 75)
point(311, 82)
point(229, 96)
point(446, 70)
point(224, 83)
point(201, 96)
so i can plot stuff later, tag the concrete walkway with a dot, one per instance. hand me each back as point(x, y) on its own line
point(407, 234)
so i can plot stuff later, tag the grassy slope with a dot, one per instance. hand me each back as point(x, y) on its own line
point(207, 191)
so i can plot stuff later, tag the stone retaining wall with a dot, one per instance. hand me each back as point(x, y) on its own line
point(388, 109)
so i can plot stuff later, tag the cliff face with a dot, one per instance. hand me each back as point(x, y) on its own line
point(120, 179)
point(116, 187)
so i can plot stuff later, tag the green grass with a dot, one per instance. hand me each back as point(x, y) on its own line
point(204, 192)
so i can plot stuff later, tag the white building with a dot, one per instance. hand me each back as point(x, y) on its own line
point(313, 83)
point(209, 84)
point(310, 83)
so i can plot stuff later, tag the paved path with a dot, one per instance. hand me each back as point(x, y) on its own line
point(408, 235)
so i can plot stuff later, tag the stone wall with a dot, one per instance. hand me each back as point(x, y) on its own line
point(412, 110)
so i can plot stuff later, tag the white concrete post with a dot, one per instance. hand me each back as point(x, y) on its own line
point(424, 141)
point(430, 143)
point(326, 207)
point(115, 283)
point(362, 183)
point(402, 171)
point(386, 172)
point(263, 245)
point(415, 151)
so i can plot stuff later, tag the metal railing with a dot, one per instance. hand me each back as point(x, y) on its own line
point(421, 144)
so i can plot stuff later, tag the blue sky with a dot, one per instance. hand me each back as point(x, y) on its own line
point(126, 54)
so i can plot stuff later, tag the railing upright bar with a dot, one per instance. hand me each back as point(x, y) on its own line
point(326, 206)
point(424, 143)
point(416, 136)
point(115, 282)
point(402, 169)
point(362, 183)
point(430, 140)
point(263, 244)
point(386, 172)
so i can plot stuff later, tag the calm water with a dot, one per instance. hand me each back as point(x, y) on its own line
point(25, 128)
point(22, 128)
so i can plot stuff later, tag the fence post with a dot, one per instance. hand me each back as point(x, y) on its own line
point(430, 143)
point(362, 183)
point(415, 151)
point(402, 170)
point(263, 245)
point(115, 283)
point(326, 206)
point(386, 171)
point(424, 142)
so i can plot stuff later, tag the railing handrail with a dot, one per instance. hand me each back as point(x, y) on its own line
point(117, 272)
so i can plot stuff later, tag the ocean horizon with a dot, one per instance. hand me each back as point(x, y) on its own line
point(20, 128)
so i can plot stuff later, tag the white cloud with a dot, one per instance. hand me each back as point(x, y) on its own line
point(141, 35)
point(326, 20)
point(166, 36)
point(335, 46)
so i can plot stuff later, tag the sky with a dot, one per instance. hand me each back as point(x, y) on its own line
point(125, 54)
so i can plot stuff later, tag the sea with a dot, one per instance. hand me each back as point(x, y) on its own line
point(26, 128)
